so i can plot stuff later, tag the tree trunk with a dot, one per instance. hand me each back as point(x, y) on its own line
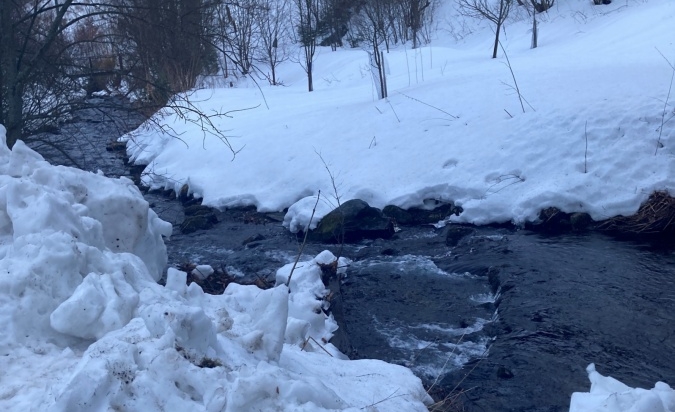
point(11, 102)
point(14, 118)
point(534, 30)
point(494, 51)
point(310, 83)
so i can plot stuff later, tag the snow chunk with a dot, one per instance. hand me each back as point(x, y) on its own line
point(298, 216)
point(306, 304)
point(202, 272)
point(609, 395)
point(100, 304)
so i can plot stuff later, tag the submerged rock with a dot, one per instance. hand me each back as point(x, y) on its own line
point(455, 233)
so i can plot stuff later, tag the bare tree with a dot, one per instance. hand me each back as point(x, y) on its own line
point(538, 6)
point(35, 66)
point(371, 27)
point(274, 33)
point(495, 11)
point(398, 20)
point(166, 43)
point(308, 17)
point(335, 19)
point(53, 52)
point(237, 32)
point(415, 12)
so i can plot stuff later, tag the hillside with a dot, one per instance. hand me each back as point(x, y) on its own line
point(453, 130)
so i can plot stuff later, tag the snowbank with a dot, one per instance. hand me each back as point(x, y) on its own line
point(87, 328)
point(609, 395)
point(453, 128)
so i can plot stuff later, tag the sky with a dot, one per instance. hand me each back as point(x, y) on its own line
point(87, 328)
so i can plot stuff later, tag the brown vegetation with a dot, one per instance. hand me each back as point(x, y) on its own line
point(656, 217)
point(217, 282)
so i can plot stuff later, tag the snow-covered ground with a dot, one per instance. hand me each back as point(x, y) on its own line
point(85, 326)
point(453, 128)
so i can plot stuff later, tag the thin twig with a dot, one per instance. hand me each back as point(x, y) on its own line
point(446, 362)
point(383, 400)
point(483, 356)
point(427, 104)
point(336, 194)
point(664, 58)
point(304, 241)
point(508, 63)
point(503, 178)
point(392, 109)
point(261, 92)
point(665, 104)
point(586, 151)
point(321, 346)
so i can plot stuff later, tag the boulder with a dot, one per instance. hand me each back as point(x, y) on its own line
point(416, 216)
point(354, 220)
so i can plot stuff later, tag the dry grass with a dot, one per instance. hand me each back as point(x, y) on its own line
point(452, 402)
point(656, 217)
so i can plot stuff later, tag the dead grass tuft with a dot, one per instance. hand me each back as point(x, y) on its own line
point(656, 217)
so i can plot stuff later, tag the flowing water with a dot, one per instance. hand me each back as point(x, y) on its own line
point(509, 318)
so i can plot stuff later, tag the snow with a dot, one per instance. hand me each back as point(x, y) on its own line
point(202, 271)
point(609, 395)
point(86, 327)
point(453, 129)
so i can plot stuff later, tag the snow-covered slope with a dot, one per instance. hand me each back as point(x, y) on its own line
point(453, 128)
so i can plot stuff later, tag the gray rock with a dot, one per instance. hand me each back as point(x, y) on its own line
point(416, 216)
point(353, 221)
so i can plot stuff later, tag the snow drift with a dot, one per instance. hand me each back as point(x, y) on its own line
point(86, 327)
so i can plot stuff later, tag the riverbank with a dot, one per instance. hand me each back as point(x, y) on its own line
point(598, 144)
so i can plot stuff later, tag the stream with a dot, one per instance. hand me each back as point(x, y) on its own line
point(508, 319)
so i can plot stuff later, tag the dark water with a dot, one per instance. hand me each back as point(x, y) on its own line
point(511, 318)
point(562, 303)
point(568, 301)
point(81, 141)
